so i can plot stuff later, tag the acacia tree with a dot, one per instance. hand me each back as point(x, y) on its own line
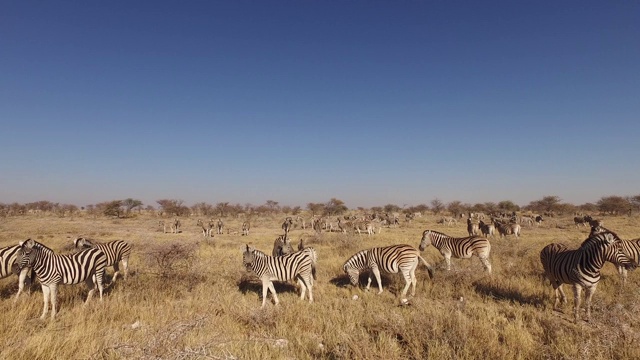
point(273, 206)
point(335, 207)
point(456, 208)
point(437, 206)
point(614, 205)
point(315, 208)
point(130, 204)
point(508, 206)
point(173, 207)
point(111, 208)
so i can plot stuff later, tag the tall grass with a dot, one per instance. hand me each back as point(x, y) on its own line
point(189, 297)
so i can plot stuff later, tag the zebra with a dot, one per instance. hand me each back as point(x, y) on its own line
point(505, 229)
point(282, 246)
point(461, 248)
point(172, 226)
point(245, 228)
point(582, 220)
point(487, 229)
point(287, 225)
point(580, 267)
point(116, 251)
point(220, 227)
point(206, 230)
point(630, 248)
point(539, 220)
point(472, 227)
point(295, 266)
point(51, 269)
point(391, 259)
point(8, 266)
point(363, 225)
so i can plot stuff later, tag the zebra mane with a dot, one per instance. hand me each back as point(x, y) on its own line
point(594, 239)
point(436, 232)
point(36, 245)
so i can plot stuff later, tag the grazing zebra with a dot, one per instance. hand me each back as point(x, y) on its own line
point(391, 259)
point(295, 266)
point(363, 225)
point(245, 228)
point(526, 220)
point(206, 229)
point(487, 229)
point(630, 248)
point(287, 225)
point(447, 221)
point(220, 227)
point(580, 267)
point(461, 248)
point(505, 229)
point(472, 227)
point(282, 246)
point(52, 269)
point(8, 266)
point(115, 251)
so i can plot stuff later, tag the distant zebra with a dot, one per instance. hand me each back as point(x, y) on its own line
point(282, 246)
point(582, 220)
point(505, 229)
point(52, 269)
point(206, 229)
point(461, 248)
point(295, 266)
point(220, 227)
point(390, 259)
point(362, 226)
point(472, 227)
point(8, 266)
point(115, 251)
point(287, 225)
point(630, 248)
point(245, 228)
point(487, 229)
point(580, 268)
point(538, 220)
point(170, 226)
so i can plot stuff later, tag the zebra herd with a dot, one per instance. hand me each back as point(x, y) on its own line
point(88, 265)
point(579, 268)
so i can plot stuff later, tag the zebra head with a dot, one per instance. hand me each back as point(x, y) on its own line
point(248, 257)
point(426, 240)
point(25, 257)
point(82, 242)
point(354, 274)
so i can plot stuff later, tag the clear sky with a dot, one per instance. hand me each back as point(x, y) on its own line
point(371, 102)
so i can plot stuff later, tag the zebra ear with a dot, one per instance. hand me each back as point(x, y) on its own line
point(29, 243)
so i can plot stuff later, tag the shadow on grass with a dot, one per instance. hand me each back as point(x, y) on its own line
point(253, 284)
point(387, 280)
point(501, 294)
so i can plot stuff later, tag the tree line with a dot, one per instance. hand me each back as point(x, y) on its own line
point(549, 205)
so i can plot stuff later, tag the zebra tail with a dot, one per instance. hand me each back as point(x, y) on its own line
point(429, 267)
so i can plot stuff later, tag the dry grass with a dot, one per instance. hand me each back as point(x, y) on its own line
point(189, 298)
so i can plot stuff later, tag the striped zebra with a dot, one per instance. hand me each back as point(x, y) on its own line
point(116, 252)
point(170, 226)
point(8, 267)
point(282, 246)
point(363, 226)
point(220, 227)
point(580, 267)
point(299, 266)
point(487, 229)
point(51, 269)
point(473, 228)
point(630, 248)
point(287, 225)
point(390, 259)
point(245, 228)
point(461, 248)
point(505, 229)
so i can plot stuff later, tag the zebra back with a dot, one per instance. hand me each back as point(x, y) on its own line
point(51, 268)
point(282, 268)
point(115, 251)
point(282, 246)
point(7, 260)
point(389, 259)
point(460, 247)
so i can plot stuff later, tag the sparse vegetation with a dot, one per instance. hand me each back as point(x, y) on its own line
point(190, 298)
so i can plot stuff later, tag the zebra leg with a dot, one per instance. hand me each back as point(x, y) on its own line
point(577, 293)
point(486, 263)
point(21, 281)
point(116, 269)
point(408, 280)
point(447, 259)
point(46, 294)
point(54, 299)
point(273, 292)
point(587, 302)
point(376, 272)
point(92, 284)
point(125, 266)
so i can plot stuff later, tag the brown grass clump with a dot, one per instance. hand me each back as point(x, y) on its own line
point(189, 297)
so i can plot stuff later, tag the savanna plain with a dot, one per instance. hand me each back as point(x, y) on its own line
point(189, 297)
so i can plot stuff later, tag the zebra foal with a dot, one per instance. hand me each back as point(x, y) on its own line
point(296, 266)
point(390, 259)
point(461, 248)
point(52, 269)
point(581, 267)
point(115, 251)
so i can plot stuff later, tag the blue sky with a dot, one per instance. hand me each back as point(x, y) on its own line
point(371, 102)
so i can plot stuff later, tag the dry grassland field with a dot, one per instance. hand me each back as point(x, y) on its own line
point(189, 297)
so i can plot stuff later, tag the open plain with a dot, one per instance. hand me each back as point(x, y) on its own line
point(189, 297)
